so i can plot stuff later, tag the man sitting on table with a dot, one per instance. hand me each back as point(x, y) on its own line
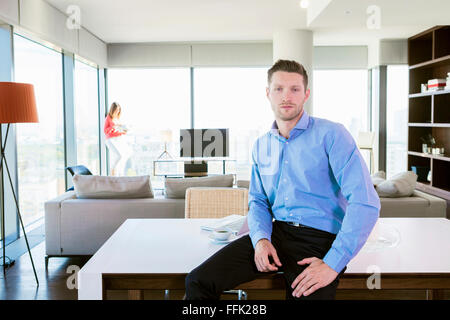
point(312, 204)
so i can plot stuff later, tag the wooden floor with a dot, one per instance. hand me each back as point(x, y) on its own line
point(20, 284)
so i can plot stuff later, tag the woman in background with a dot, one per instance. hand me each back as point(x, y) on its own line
point(115, 134)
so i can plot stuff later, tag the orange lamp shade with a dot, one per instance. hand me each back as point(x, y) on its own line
point(17, 103)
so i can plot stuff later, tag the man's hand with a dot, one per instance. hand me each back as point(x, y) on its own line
point(263, 250)
point(316, 276)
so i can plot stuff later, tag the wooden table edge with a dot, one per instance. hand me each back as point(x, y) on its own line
point(135, 283)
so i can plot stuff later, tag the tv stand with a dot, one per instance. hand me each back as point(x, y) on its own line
point(205, 166)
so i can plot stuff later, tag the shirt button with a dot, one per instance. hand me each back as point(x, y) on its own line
point(284, 180)
point(287, 142)
point(291, 214)
point(286, 198)
point(286, 161)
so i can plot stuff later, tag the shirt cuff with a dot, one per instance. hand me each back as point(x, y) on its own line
point(335, 260)
point(258, 236)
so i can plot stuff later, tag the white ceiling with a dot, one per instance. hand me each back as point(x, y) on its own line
point(353, 13)
point(342, 22)
point(345, 21)
point(186, 20)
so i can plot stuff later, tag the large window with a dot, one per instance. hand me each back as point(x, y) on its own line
point(396, 119)
point(342, 96)
point(40, 146)
point(155, 106)
point(234, 98)
point(86, 116)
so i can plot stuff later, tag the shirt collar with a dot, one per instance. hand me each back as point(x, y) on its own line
point(302, 123)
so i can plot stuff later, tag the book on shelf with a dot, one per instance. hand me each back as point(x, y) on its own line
point(436, 84)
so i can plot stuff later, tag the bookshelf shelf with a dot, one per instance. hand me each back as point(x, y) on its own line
point(429, 93)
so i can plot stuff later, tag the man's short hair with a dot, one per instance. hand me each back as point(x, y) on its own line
point(288, 66)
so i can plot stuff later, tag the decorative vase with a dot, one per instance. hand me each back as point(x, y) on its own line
point(424, 147)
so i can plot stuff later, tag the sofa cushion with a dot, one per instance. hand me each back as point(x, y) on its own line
point(418, 205)
point(243, 184)
point(378, 177)
point(399, 185)
point(176, 187)
point(104, 187)
point(80, 169)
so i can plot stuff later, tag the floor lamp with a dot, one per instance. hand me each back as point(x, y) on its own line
point(17, 105)
point(166, 137)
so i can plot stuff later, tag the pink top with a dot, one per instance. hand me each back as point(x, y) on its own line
point(109, 129)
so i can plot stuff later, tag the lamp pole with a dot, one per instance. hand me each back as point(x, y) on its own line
point(2, 200)
point(2, 197)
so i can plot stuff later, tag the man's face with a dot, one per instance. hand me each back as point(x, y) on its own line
point(287, 95)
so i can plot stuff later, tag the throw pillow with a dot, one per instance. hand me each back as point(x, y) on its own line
point(104, 187)
point(243, 184)
point(378, 177)
point(176, 187)
point(399, 185)
point(80, 169)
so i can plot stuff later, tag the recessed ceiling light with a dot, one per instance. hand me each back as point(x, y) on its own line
point(347, 12)
point(304, 4)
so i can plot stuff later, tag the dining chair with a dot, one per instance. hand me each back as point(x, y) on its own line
point(365, 141)
point(210, 202)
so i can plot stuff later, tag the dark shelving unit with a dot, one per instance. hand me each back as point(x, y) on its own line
point(429, 112)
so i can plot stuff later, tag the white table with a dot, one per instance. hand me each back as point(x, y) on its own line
point(159, 253)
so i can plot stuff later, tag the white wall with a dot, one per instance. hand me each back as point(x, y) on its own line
point(48, 24)
point(92, 48)
point(148, 55)
point(9, 11)
point(374, 54)
point(38, 19)
point(385, 52)
point(336, 57)
point(315, 9)
point(189, 54)
point(249, 54)
point(393, 52)
point(226, 54)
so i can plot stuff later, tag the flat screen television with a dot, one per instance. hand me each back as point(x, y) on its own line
point(204, 143)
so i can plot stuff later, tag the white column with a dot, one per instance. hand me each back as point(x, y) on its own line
point(296, 45)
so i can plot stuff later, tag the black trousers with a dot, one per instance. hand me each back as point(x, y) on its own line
point(234, 264)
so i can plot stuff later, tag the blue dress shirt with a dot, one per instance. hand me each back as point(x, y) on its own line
point(317, 178)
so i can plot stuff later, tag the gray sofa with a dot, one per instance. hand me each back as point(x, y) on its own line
point(81, 226)
point(418, 205)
